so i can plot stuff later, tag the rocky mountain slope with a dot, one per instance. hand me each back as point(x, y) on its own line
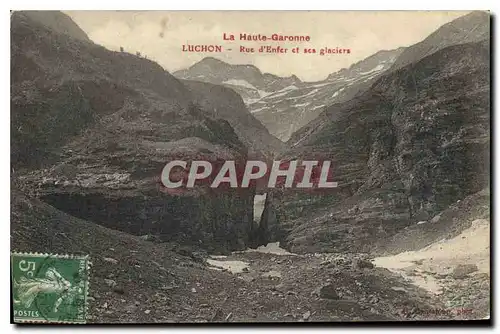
point(284, 105)
point(415, 142)
point(225, 103)
point(92, 129)
point(468, 28)
point(472, 27)
point(287, 110)
point(58, 22)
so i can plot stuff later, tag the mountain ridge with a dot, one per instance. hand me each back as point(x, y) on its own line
point(267, 95)
point(286, 111)
point(436, 41)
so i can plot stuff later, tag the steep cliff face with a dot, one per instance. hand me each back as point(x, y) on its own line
point(149, 278)
point(92, 130)
point(415, 142)
point(222, 102)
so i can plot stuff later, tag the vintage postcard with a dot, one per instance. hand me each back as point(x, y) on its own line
point(250, 166)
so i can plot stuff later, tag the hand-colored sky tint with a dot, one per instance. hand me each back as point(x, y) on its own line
point(161, 34)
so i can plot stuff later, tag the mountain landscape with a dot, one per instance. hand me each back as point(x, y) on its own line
point(405, 235)
point(247, 80)
point(395, 149)
point(286, 111)
point(284, 105)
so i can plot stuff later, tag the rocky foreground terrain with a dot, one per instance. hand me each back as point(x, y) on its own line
point(133, 280)
point(404, 237)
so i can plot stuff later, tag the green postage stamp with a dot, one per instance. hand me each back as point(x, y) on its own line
point(49, 288)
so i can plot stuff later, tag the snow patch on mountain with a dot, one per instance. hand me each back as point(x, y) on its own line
point(284, 91)
point(242, 83)
point(263, 93)
point(323, 84)
point(338, 92)
point(317, 107)
point(378, 68)
point(257, 110)
point(314, 91)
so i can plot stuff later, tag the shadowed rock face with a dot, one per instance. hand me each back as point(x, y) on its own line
point(415, 142)
point(92, 130)
point(225, 103)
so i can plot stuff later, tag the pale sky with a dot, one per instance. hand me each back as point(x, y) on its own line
point(364, 32)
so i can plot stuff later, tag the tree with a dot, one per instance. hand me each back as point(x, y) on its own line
point(121, 49)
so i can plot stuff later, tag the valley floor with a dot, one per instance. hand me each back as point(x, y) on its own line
point(347, 287)
point(137, 281)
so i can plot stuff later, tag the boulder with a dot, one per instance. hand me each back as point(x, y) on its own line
point(462, 270)
point(362, 264)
